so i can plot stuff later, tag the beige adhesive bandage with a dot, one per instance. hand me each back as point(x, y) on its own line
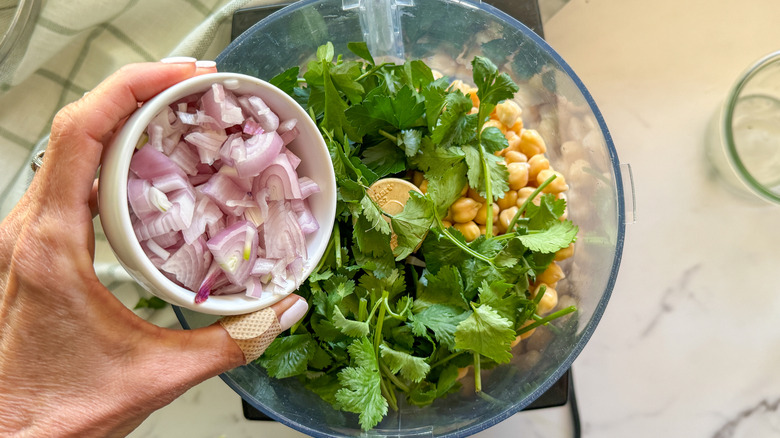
point(253, 332)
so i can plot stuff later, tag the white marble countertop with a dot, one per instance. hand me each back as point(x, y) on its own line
point(688, 344)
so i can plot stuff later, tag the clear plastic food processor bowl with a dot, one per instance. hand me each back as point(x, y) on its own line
point(447, 34)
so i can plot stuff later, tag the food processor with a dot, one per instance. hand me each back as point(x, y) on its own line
point(447, 34)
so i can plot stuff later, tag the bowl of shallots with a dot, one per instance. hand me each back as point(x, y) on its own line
point(218, 194)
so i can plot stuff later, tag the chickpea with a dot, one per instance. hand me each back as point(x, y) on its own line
point(531, 143)
point(481, 217)
point(446, 223)
point(474, 194)
point(505, 217)
point(464, 190)
point(528, 333)
point(517, 127)
point(470, 230)
point(552, 275)
point(472, 92)
point(457, 84)
point(462, 372)
point(564, 253)
point(524, 194)
point(424, 186)
point(417, 178)
point(508, 112)
point(483, 230)
point(515, 157)
point(537, 163)
point(518, 175)
point(513, 143)
point(509, 200)
point(464, 210)
point(495, 124)
point(556, 186)
point(549, 299)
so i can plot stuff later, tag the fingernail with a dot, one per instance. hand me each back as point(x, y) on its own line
point(293, 314)
point(178, 60)
point(205, 64)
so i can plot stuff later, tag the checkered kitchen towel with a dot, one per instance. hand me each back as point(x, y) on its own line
point(77, 43)
point(74, 45)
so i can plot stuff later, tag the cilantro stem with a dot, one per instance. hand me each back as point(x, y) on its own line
point(393, 378)
point(337, 240)
point(388, 136)
point(328, 248)
point(398, 316)
point(488, 191)
point(372, 70)
point(546, 319)
point(380, 320)
point(389, 396)
point(530, 199)
point(458, 243)
point(477, 373)
point(447, 359)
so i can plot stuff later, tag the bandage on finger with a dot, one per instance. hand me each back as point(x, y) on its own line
point(253, 332)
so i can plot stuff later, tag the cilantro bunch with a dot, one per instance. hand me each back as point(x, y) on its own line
point(387, 323)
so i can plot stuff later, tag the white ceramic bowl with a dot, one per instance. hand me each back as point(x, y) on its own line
point(115, 213)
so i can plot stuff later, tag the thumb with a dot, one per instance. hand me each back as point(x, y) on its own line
point(210, 350)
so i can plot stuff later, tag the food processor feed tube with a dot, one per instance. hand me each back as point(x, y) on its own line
point(380, 21)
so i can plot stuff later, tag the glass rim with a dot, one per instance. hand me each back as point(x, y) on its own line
point(727, 133)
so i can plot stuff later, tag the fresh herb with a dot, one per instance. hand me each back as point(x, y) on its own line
point(150, 303)
point(381, 328)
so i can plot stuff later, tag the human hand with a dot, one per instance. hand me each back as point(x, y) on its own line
point(73, 359)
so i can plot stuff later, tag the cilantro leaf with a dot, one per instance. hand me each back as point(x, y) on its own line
point(369, 239)
point(384, 159)
point(487, 333)
point(547, 212)
point(441, 319)
point(443, 287)
point(434, 94)
point(325, 52)
point(374, 215)
point(412, 367)
point(493, 140)
point(150, 303)
point(495, 295)
point(454, 122)
point(288, 356)
point(476, 172)
point(361, 49)
point(353, 329)
point(445, 188)
point(412, 224)
point(361, 391)
point(409, 140)
point(492, 87)
point(287, 80)
point(434, 159)
point(418, 74)
point(440, 251)
point(558, 236)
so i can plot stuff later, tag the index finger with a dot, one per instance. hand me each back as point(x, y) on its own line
point(78, 130)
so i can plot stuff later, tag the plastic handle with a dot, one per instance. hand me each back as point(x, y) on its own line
point(380, 21)
point(629, 195)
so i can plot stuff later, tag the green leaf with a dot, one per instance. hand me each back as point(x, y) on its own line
point(361, 49)
point(409, 140)
point(442, 320)
point(334, 118)
point(384, 159)
point(326, 386)
point(495, 295)
point(344, 77)
point(476, 173)
point(353, 329)
point(412, 367)
point(288, 356)
point(492, 86)
point(493, 139)
point(374, 215)
point(454, 122)
point(443, 287)
point(440, 251)
point(418, 74)
point(369, 239)
point(325, 52)
point(487, 333)
point(445, 188)
point(434, 97)
point(412, 224)
point(546, 213)
point(286, 81)
point(150, 303)
point(361, 391)
point(435, 160)
point(393, 284)
point(558, 236)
